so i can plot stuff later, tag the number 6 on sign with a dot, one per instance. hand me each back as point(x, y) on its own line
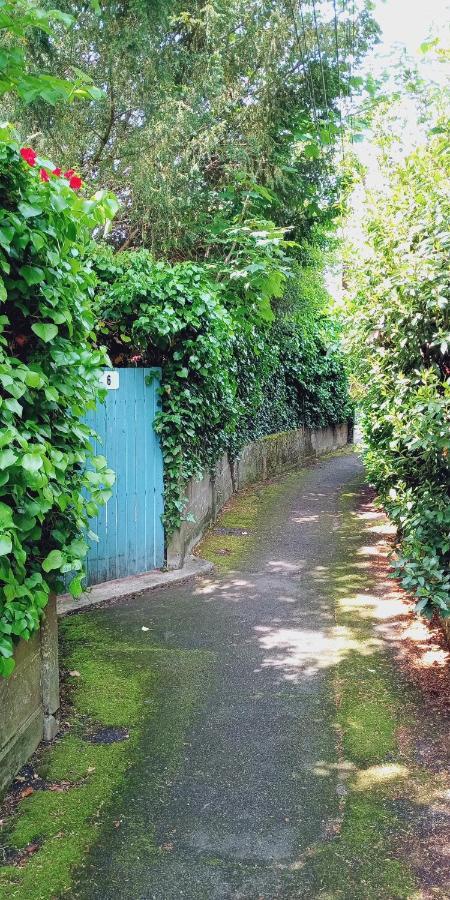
point(110, 380)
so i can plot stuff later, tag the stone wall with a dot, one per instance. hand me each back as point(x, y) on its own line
point(257, 461)
point(29, 698)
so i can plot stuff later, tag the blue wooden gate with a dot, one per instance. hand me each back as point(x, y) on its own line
point(129, 527)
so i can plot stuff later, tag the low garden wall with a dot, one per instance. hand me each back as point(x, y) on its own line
point(270, 455)
point(29, 698)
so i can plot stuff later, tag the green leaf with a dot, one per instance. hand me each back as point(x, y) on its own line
point(38, 240)
point(31, 462)
point(6, 516)
point(34, 379)
point(7, 458)
point(312, 151)
point(54, 560)
point(45, 330)
point(79, 548)
point(32, 274)
point(28, 211)
point(76, 586)
point(13, 406)
point(60, 16)
point(5, 544)
point(7, 666)
point(58, 202)
point(6, 436)
point(6, 236)
point(52, 394)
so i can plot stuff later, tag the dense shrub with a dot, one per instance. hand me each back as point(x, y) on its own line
point(155, 314)
point(301, 380)
point(401, 336)
point(49, 377)
point(230, 374)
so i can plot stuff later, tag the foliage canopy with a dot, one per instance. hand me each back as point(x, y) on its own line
point(208, 105)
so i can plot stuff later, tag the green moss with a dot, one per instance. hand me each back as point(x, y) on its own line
point(145, 689)
point(242, 510)
point(365, 860)
point(360, 863)
point(225, 551)
point(250, 510)
point(367, 713)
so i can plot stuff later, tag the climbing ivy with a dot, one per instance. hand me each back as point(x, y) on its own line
point(49, 371)
point(289, 379)
point(233, 368)
point(152, 313)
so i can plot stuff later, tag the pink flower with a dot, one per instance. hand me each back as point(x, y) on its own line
point(44, 175)
point(29, 155)
point(69, 173)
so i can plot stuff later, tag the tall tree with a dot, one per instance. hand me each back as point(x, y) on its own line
point(203, 100)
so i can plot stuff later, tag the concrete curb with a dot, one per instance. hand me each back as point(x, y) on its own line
point(132, 585)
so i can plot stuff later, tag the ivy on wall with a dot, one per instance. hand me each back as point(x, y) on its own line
point(231, 372)
point(153, 314)
point(297, 379)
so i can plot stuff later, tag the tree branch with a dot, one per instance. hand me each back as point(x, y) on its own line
point(106, 134)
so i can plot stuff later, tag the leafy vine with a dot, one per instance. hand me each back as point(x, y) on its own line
point(49, 377)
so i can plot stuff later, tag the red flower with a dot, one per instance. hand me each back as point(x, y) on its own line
point(75, 182)
point(56, 172)
point(69, 173)
point(29, 155)
point(44, 175)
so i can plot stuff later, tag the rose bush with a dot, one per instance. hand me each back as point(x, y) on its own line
point(49, 370)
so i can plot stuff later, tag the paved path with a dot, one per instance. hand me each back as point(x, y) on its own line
point(246, 807)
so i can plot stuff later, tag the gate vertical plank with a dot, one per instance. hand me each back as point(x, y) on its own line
point(142, 432)
point(147, 537)
point(116, 548)
point(157, 506)
point(122, 427)
point(132, 464)
point(99, 524)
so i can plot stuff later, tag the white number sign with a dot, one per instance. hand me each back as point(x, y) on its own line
point(110, 380)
